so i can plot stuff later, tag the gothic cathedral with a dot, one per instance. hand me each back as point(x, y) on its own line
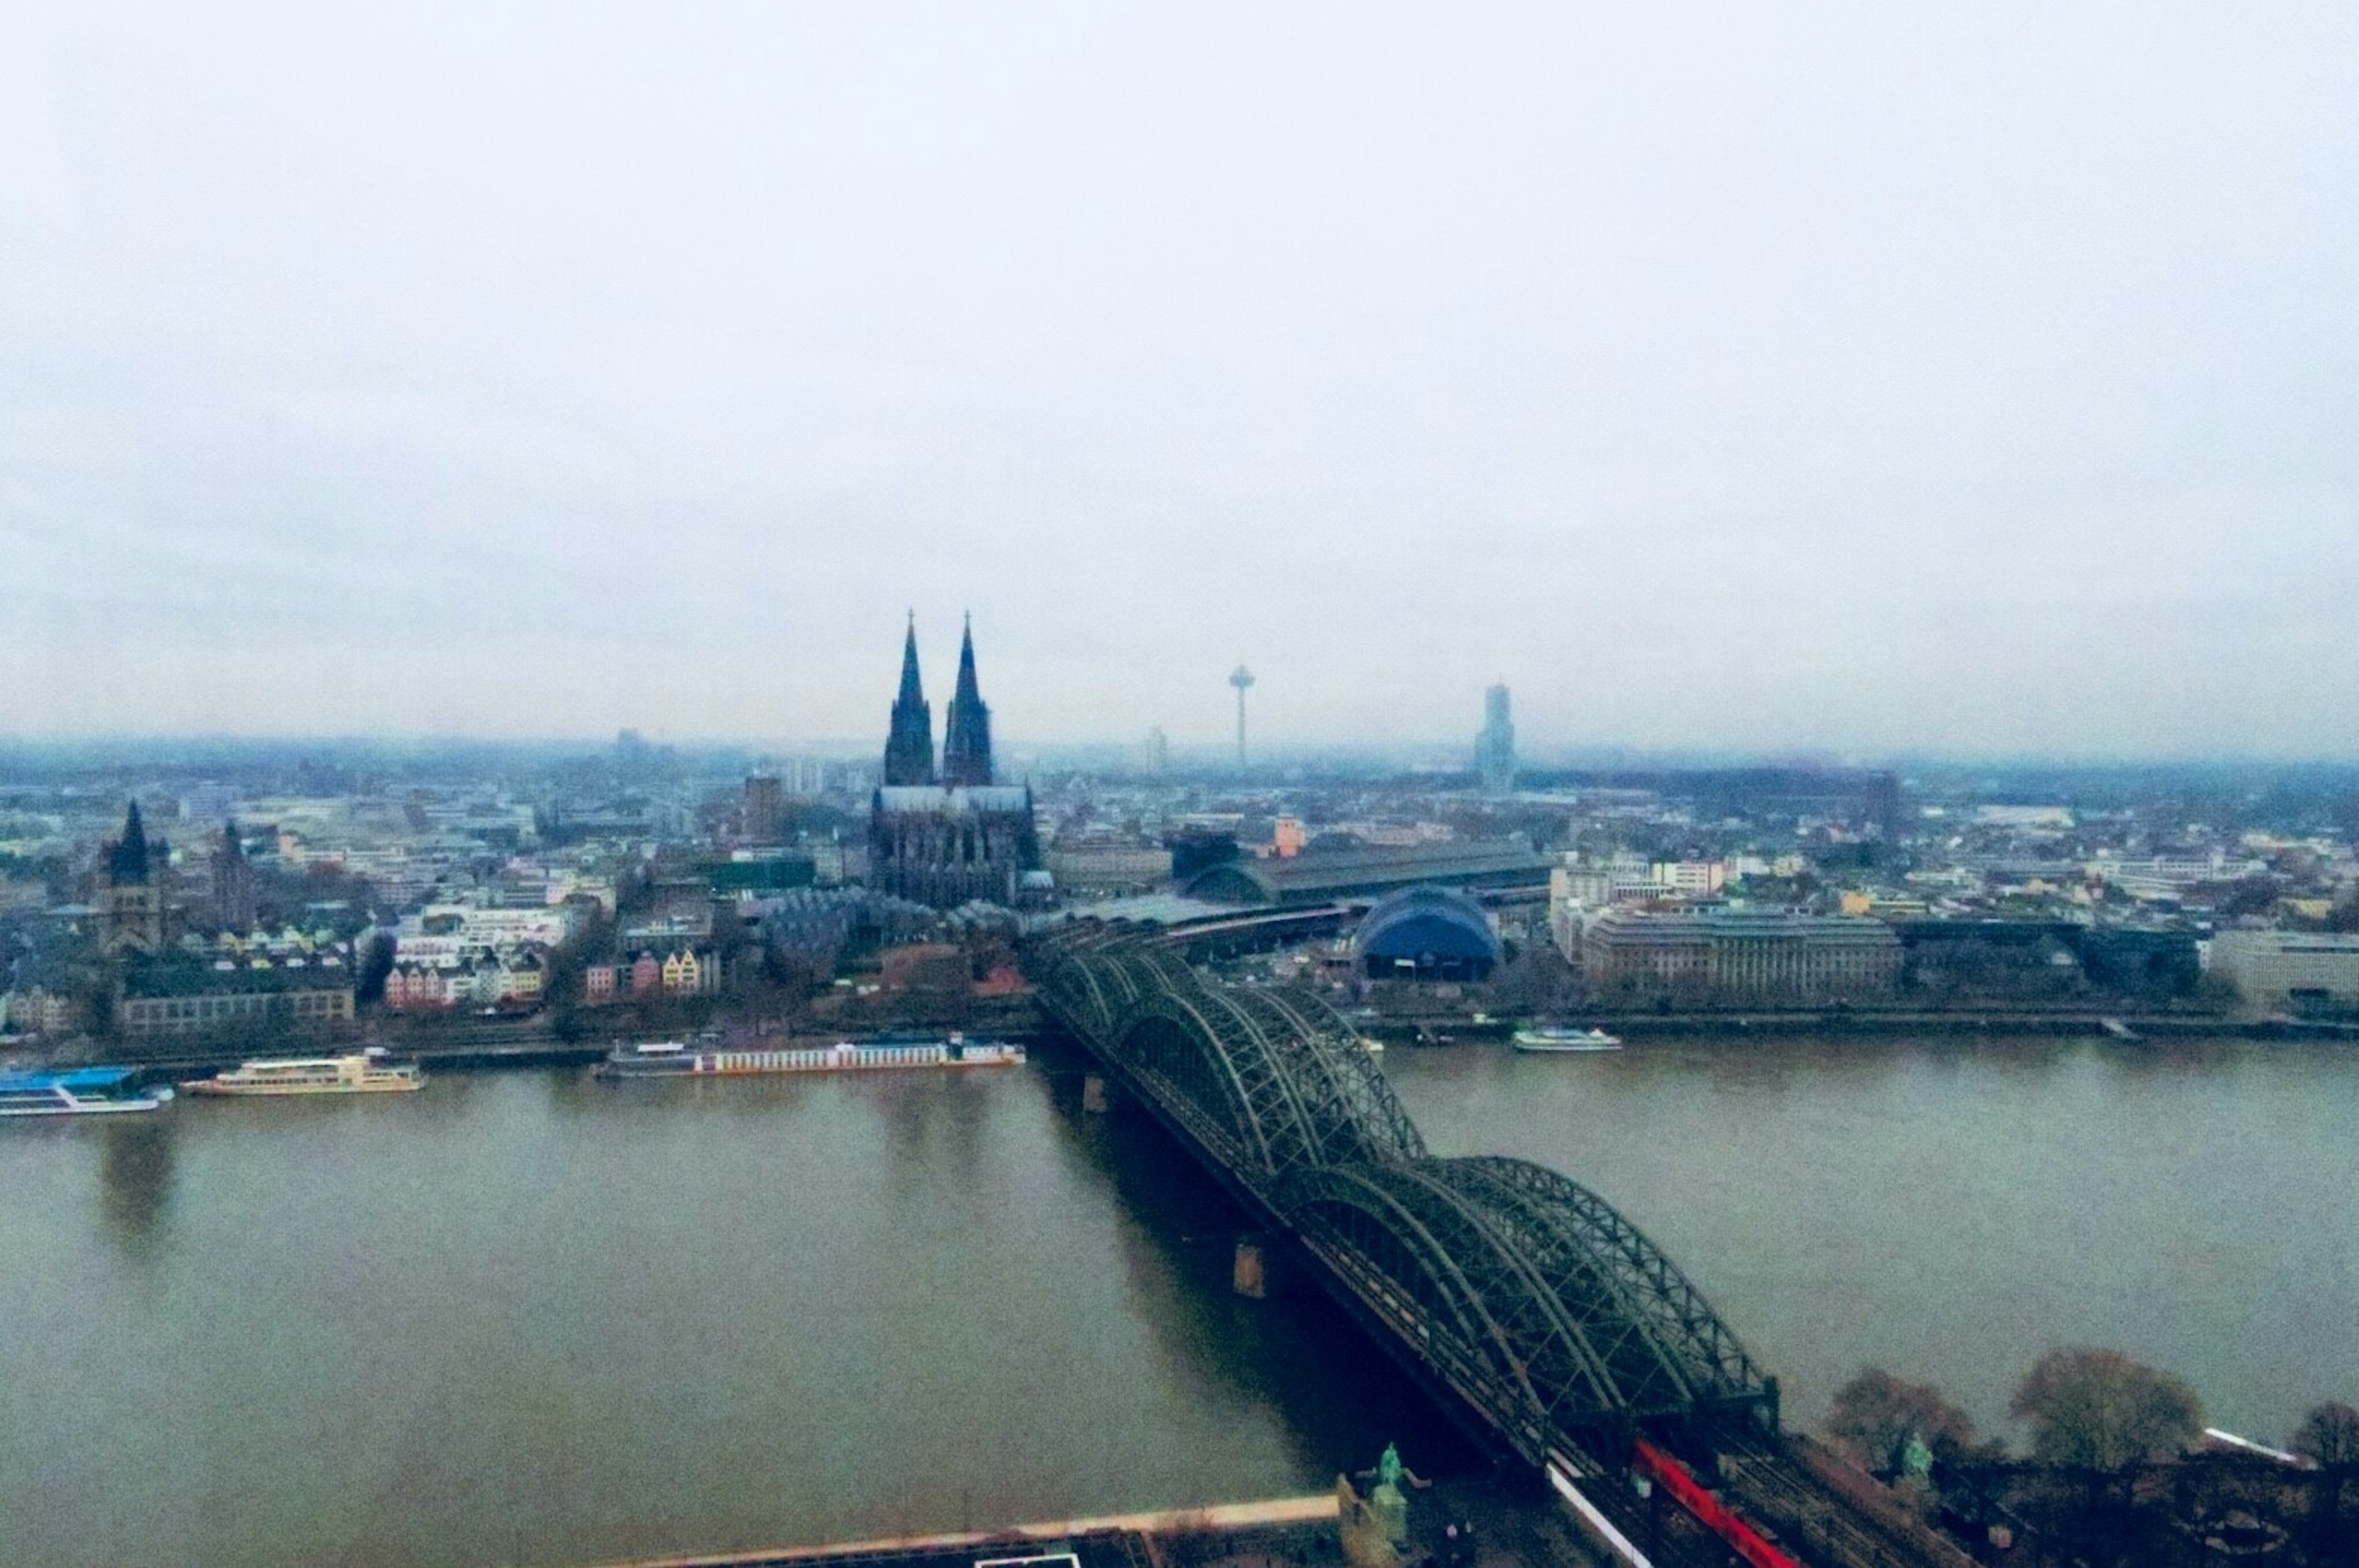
point(948, 836)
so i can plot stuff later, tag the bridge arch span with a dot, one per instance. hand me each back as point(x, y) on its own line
point(1519, 1292)
point(1213, 1072)
point(1519, 1288)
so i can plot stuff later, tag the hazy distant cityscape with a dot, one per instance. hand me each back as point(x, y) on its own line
point(184, 907)
point(482, 905)
point(2222, 890)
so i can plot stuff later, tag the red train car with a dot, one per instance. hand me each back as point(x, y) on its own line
point(1716, 1516)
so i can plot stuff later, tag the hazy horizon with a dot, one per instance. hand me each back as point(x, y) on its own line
point(1211, 761)
point(1853, 383)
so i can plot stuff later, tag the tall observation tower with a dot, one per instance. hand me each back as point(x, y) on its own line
point(1241, 678)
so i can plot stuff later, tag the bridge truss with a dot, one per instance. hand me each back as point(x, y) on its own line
point(1519, 1290)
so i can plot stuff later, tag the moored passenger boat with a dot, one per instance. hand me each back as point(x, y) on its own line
point(77, 1091)
point(1553, 1037)
point(362, 1072)
point(673, 1058)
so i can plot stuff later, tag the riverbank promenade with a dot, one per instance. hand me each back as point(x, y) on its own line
point(1268, 1533)
point(1504, 1524)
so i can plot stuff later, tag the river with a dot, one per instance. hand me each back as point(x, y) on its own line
point(528, 1317)
point(1951, 1209)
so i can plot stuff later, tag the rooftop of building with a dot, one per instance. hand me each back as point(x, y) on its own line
point(184, 977)
point(1427, 921)
point(1322, 874)
point(2292, 941)
point(952, 800)
point(1741, 923)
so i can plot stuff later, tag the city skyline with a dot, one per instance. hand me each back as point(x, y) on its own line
point(1855, 383)
point(1027, 774)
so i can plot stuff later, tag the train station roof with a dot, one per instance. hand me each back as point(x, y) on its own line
point(1427, 921)
point(1319, 876)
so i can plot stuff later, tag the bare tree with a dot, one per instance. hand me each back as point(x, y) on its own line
point(2100, 1411)
point(2329, 1434)
point(1875, 1413)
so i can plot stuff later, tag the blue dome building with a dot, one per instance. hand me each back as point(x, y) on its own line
point(1426, 934)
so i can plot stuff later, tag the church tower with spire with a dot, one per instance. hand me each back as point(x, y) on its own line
point(966, 740)
point(131, 889)
point(909, 744)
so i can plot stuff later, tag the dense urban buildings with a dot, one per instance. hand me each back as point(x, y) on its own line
point(163, 903)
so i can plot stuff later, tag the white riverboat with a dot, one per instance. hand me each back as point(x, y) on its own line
point(362, 1072)
point(1549, 1038)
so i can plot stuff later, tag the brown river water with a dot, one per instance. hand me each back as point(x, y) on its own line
point(525, 1317)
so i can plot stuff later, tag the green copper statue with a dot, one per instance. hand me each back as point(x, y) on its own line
point(1375, 1529)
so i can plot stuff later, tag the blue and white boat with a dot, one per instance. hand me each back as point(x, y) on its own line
point(76, 1091)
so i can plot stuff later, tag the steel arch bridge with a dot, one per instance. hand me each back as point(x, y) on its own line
point(1517, 1288)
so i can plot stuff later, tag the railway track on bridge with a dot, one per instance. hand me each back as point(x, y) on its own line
point(1508, 1289)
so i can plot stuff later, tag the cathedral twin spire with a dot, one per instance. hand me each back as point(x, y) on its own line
point(966, 742)
point(966, 729)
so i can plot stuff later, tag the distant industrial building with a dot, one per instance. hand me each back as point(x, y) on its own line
point(1426, 934)
point(1495, 747)
point(1741, 955)
point(2290, 971)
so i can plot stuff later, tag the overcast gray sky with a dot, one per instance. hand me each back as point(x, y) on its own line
point(1843, 377)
